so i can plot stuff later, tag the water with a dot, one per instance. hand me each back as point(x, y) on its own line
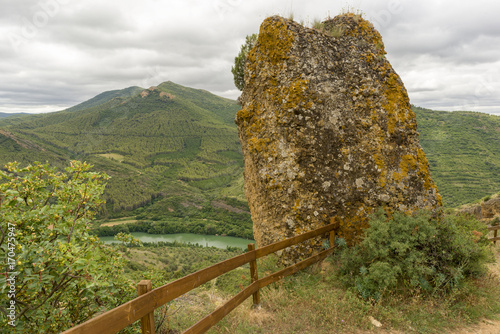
point(203, 240)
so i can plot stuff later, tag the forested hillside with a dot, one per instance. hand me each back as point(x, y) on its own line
point(463, 149)
point(170, 150)
point(174, 156)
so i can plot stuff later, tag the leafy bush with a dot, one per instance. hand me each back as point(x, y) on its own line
point(60, 274)
point(415, 253)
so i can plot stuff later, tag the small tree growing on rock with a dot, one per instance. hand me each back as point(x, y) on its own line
point(238, 69)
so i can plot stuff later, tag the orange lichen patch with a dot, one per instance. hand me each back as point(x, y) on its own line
point(408, 162)
point(381, 166)
point(275, 39)
point(297, 205)
point(249, 115)
point(368, 56)
point(245, 113)
point(398, 104)
point(353, 224)
point(382, 179)
point(296, 96)
point(257, 144)
point(425, 173)
point(363, 28)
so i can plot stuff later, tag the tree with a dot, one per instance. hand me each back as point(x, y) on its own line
point(238, 69)
point(58, 274)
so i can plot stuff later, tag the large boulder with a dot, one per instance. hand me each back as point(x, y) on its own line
point(327, 133)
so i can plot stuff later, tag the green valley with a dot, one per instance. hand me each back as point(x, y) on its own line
point(171, 151)
point(176, 165)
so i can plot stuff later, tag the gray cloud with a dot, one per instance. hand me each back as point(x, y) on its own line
point(57, 53)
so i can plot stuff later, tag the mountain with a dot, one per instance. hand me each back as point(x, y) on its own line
point(151, 127)
point(463, 150)
point(171, 151)
point(4, 114)
point(106, 96)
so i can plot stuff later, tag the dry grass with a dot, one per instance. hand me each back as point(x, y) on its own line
point(145, 257)
point(120, 221)
point(314, 302)
point(113, 156)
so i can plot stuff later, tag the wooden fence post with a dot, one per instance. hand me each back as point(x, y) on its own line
point(255, 276)
point(494, 237)
point(148, 321)
point(332, 238)
point(335, 221)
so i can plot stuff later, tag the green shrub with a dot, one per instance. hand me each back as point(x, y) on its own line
point(61, 275)
point(415, 253)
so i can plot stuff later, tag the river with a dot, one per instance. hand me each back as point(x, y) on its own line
point(203, 240)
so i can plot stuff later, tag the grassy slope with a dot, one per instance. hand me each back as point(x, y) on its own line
point(293, 305)
point(463, 149)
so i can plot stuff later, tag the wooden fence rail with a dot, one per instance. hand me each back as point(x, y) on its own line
point(143, 306)
point(495, 229)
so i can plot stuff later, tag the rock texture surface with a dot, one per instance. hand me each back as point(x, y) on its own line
point(327, 132)
point(487, 210)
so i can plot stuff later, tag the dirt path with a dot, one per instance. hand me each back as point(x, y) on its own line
point(486, 326)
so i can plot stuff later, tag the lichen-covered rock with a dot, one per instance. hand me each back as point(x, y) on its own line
point(487, 210)
point(327, 132)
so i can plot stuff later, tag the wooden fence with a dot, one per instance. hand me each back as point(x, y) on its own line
point(143, 306)
point(495, 229)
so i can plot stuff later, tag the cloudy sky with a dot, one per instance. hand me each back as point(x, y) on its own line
point(57, 53)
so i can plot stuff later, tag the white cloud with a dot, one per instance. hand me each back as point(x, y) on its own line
point(57, 53)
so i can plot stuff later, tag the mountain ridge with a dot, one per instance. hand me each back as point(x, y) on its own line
point(170, 150)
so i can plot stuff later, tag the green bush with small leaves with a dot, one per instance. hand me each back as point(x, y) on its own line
point(61, 275)
point(415, 253)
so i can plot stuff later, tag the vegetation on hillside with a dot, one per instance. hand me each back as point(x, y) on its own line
point(171, 152)
point(59, 274)
point(463, 150)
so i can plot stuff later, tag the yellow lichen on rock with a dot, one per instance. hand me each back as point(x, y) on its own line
point(275, 39)
point(327, 131)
